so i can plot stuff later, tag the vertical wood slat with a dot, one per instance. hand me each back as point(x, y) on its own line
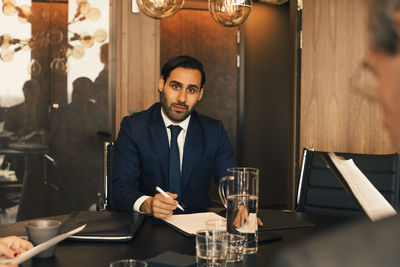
point(137, 60)
point(334, 116)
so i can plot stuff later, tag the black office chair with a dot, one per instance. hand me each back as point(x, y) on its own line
point(320, 192)
point(108, 163)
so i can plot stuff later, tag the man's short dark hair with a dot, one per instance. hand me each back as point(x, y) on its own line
point(186, 62)
point(382, 28)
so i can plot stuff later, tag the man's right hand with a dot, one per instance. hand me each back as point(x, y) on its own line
point(160, 206)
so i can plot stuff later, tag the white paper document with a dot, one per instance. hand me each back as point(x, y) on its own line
point(42, 247)
point(371, 200)
point(192, 223)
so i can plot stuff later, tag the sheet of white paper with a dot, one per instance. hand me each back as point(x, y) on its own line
point(371, 200)
point(39, 248)
point(192, 223)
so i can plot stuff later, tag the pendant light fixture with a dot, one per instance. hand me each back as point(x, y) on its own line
point(160, 9)
point(229, 13)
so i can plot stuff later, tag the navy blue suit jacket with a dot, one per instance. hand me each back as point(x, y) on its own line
point(141, 158)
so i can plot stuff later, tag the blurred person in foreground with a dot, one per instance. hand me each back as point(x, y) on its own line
point(12, 247)
point(365, 243)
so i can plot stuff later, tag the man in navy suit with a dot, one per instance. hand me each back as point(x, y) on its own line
point(143, 159)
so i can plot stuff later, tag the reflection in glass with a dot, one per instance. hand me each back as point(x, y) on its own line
point(100, 35)
point(23, 13)
point(78, 51)
point(9, 9)
point(59, 65)
point(85, 11)
point(6, 55)
point(34, 68)
point(43, 58)
point(5, 40)
point(84, 8)
point(55, 37)
point(87, 40)
point(94, 14)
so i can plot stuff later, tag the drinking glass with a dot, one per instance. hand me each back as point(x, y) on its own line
point(235, 242)
point(128, 263)
point(211, 248)
point(239, 194)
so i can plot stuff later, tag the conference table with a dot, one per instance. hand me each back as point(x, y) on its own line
point(155, 237)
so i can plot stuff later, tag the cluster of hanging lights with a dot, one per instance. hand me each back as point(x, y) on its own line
point(228, 13)
point(75, 46)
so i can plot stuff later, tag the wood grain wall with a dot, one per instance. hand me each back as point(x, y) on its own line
point(137, 60)
point(335, 117)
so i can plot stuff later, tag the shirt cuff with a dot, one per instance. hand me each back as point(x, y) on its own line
point(139, 202)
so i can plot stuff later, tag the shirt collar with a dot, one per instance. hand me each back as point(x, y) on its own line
point(184, 124)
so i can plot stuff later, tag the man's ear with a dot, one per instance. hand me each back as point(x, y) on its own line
point(161, 84)
point(201, 94)
point(396, 19)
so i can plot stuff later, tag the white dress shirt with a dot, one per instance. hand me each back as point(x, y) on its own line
point(181, 143)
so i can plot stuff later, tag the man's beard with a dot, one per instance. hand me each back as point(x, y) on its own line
point(171, 114)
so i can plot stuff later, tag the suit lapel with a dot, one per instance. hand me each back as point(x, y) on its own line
point(192, 151)
point(160, 139)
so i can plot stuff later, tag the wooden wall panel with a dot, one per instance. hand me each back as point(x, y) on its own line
point(137, 60)
point(334, 116)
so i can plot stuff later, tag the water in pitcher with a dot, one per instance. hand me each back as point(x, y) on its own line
point(242, 219)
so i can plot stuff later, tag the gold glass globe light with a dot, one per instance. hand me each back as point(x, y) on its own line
point(84, 8)
point(160, 8)
point(6, 55)
point(5, 41)
point(78, 51)
point(59, 65)
point(25, 44)
point(34, 67)
point(229, 13)
point(9, 9)
point(94, 14)
point(68, 53)
point(55, 37)
point(100, 35)
point(23, 14)
point(87, 40)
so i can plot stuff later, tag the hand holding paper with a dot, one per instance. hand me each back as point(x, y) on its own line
point(370, 199)
point(39, 248)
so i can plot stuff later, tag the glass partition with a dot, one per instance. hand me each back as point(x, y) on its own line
point(53, 105)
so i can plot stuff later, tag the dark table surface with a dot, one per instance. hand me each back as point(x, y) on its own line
point(155, 237)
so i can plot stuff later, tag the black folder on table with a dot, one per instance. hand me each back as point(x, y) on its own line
point(277, 220)
point(103, 225)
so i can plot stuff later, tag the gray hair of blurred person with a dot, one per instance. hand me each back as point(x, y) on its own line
point(383, 31)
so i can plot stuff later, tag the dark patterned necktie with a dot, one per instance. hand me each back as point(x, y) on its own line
point(174, 162)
